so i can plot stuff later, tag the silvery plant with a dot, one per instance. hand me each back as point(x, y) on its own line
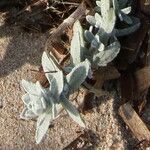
point(90, 49)
point(45, 104)
point(103, 46)
point(122, 9)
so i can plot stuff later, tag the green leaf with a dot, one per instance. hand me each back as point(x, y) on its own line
point(78, 75)
point(77, 43)
point(72, 111)
point(43, 123)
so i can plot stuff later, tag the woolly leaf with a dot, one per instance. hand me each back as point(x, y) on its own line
point(27, 114)
point(48, 63)
point(29, 87)
point(111, 21)
point(99, 20)
point(78, 75)
point(104, 57)
point(126, 10)
point(101, 47)
point(95, 44)
point(98, 3)
point(77, 43)
point(105, 6)
point(37, 104)
point(116, 6)
point(26, 99)
point(89, 36)
point(57, 84)
point(72, 111)
point(91, 20)
point(43, 123)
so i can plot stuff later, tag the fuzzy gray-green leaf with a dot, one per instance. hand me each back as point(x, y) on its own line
point(77, 43)
point(126, 10)
point(29, 87)
point(48, 63)
point(43, 123)
point(91, 20)
point(78, 75)
point(57, 84)
point(105, 6)
point(27, 114)
point(72, 111)
point(89, 36)
point(104, 57)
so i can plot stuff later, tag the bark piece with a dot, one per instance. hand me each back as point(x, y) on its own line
point(145, 6)
point(134, 122)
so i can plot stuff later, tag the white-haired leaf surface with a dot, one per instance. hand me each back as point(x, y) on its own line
point(48, 63)
point(78, 75)
point(72, 111)
point(43, 123)
point(77, 43)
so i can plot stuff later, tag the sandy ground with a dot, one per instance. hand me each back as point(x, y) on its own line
point(20, 52)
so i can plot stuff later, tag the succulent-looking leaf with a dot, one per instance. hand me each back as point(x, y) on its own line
point(104, 57)
point(29, 87)
point(72, 111)
point(56, 85)
point(43, 123)
point(77, 43)
point(48, 63)
point(78, 75)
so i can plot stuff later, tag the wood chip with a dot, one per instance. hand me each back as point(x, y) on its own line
point(134, 122)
